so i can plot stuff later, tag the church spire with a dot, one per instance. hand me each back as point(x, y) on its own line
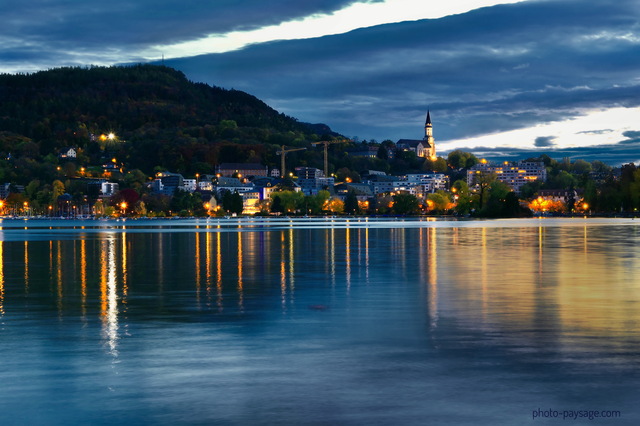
point(428, 137)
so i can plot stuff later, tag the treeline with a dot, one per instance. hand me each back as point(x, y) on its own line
point(159, 117)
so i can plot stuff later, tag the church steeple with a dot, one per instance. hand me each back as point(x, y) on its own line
point(428, 136)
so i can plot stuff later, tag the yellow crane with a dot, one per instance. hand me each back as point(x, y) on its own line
point(326, 154)
point(284, 151)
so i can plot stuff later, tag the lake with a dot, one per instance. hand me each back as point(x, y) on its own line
point(320, 321)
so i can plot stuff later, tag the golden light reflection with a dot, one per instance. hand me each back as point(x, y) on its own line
point(125, 270)
point(585, 240)
point(103, 279)
point(83, 276)
point(484, 270)
point(59, 276)
point(432, 275)
point(240, 284)
point(219, 272)
point(197, 272)
point(26, 267)
point(207, 265)
point(292, 275)
point(540, 258)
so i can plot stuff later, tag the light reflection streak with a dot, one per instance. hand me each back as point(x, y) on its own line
point(484, 272)
point(432, 275)
point(197, 259)
point(291, 265)
point(585, 240)
point(283, 274)
point(160, 262)
point(540, 263)
point(125, 270)
point(109, 296)
point(83, 276)
point(26, 267)
point(207, 263)
point(366, 253)
point(333, 257)
point(219, 272)
point(240, 284)
point(348, 257)
point(59, 276)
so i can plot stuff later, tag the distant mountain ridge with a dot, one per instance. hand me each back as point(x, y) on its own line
point(161, 118)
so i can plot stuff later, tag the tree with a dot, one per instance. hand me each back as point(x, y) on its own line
point(276, 205)
point(438, 201)
point(382, 154)
point(439, 165)
point(237, 203)
point(459, 159)
point(351, 203)
point(405, 204)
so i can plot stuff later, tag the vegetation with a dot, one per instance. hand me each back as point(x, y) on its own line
point(127, 123)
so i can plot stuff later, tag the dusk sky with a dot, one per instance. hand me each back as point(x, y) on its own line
point(500, 77)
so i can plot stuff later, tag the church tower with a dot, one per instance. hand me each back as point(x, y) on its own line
point(428, 138)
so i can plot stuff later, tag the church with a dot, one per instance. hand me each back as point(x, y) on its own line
point(425, 147)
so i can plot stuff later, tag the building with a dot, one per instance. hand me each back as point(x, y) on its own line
point(67, 153)
point(514, 174)
point(189, 185)
point(309, 173)
point(241, 169)
point(428, 182)
point(426, 147)
point(367, 152)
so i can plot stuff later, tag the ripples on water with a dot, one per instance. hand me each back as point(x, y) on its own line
point(317, 321)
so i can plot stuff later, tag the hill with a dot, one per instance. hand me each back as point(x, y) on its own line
point(158, 117)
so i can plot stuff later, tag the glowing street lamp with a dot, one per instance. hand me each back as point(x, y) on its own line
point(123, 206)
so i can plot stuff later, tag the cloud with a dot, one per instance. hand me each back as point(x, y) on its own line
point(378, 82)
point(632, 134)
point(605, 153)
point(544, 141)
point(595, 132)
point(95, 31)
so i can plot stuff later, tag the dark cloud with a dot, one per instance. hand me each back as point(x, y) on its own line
point(96, 27)
point(493, 69)
point(595, 132)
point(632, 134)
point(544, 141)
point(615, 157)
point(489, 70)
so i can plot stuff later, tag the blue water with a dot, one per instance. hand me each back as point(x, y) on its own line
point(318, 321)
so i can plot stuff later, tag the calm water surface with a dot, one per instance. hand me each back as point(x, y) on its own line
point(318, 322)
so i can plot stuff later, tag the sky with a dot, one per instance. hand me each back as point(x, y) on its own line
point(503, 79)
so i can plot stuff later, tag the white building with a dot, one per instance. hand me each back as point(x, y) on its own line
point(189, 185)
point(514, 174)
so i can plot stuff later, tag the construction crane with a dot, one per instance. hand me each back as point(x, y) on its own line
point(284, 151)
point(326, 154)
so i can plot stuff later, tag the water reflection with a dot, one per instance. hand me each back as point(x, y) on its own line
point(1, 278)
point(487, 278)
point(109, 295)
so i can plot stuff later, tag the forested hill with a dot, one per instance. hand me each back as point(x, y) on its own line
point(159, 118)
